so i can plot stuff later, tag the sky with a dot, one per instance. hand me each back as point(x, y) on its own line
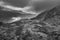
point(35, 4)
point(19, 3)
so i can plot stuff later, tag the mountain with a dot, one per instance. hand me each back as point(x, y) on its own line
point(48, 13)
point(45, 26)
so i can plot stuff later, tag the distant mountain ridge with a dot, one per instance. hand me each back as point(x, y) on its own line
point(48, 13)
